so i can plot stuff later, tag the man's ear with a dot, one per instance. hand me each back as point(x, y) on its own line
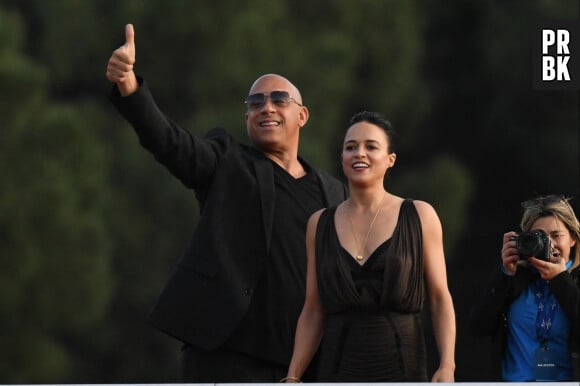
point(304, 115)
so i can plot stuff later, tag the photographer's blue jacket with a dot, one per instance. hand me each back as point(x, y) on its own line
point(488, 316)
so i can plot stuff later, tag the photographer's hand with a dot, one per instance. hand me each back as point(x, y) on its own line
point(548, 269)
point(509, 254)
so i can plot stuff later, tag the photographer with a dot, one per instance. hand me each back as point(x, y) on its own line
point(531, 306)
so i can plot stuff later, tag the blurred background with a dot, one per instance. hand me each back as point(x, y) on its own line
point(91, 225)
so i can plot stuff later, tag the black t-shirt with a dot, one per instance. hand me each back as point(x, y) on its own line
point(267, 330)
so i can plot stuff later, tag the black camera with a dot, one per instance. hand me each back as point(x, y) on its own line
point(534, 243)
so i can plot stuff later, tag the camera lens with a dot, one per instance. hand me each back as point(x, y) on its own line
point(530, 244)
point(533, 243)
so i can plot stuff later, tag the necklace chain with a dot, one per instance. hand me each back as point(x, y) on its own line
point(359, 255)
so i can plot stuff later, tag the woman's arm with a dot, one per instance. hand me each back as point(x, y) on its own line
point(440, 302)
point(309, 327)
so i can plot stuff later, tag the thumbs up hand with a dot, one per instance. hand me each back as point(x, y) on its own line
point(121, 62)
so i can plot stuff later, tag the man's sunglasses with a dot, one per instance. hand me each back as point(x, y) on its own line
point(278, 98)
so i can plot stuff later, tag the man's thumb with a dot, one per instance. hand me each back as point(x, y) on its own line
point(129, 34)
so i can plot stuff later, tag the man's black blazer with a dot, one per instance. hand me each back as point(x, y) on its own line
point(212, 285)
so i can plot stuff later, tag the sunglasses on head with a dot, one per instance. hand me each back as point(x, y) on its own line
point(278, 98)
point(542, 202)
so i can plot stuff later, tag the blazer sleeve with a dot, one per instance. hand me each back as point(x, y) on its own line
point(192, 160)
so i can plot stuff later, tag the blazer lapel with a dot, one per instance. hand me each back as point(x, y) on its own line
point(334, 192)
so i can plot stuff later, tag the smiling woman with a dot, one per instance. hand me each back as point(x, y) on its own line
point(366, 298)
point(368, 152)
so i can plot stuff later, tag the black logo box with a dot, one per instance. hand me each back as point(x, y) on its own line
point(573, 64)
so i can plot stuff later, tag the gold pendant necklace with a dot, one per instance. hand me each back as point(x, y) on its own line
point(359, 255)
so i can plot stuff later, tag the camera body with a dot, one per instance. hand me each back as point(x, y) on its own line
point(535, 243)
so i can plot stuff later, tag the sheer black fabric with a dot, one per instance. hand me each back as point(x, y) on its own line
point(372, 329)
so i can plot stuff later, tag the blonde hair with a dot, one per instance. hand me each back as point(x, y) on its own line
point(557, 206)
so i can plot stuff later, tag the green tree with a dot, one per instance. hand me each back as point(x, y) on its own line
point(55, 279)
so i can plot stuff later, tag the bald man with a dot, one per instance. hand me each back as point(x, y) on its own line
point(235, 296)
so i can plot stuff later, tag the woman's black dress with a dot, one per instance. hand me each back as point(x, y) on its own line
point(372, 329)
